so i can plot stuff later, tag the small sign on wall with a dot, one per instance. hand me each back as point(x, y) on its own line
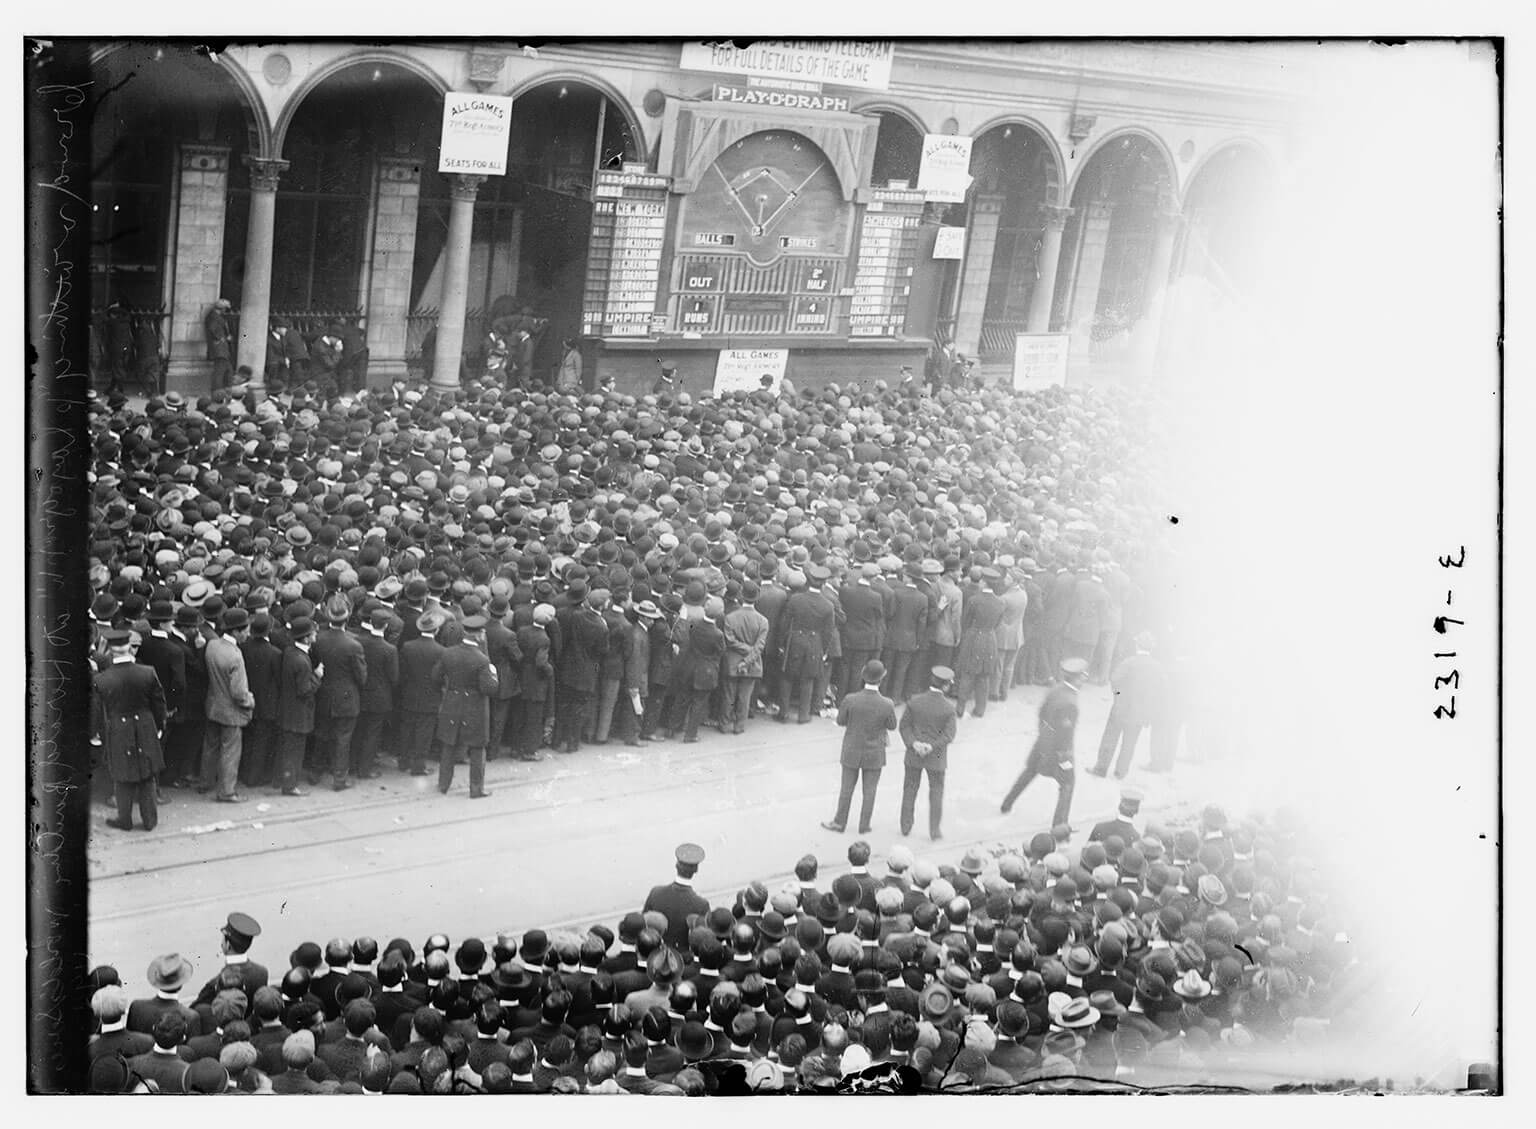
point(949, 243)
point(1040, 359)
point(476, 131)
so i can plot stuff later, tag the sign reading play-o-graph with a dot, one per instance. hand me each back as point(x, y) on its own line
point(477, 129)
point(1040, 360)
point(742, 370)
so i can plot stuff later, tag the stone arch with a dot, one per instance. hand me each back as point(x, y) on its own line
point(909, 116)
point(244, 87)
point(1055, 167)
point(365, 57)
point(616, 99)
point(1220, 151)
point(1170, 167)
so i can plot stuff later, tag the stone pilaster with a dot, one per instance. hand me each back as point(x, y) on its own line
point(256, 293)
point(394, 248)
point(1044, 294)
point(1084, 302)
point(463, 187)
point(980, 247)
point(199, 260)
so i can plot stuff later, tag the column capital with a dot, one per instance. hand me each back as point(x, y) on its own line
point(464, 185)
point(204, 158)
point(400, 169)
point(265, 172)
point(485, 67)
point(1055, 216)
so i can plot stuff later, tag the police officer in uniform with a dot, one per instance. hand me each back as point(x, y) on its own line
point(467, 679)
point(131, 707)
point(1052, 752)
point(927, 727)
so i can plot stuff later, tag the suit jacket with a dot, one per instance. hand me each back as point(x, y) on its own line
point(1090, 603)
point(909, 619)
point(130, 714)
point(810, 621)
point(419, 692)
point(1010, 630)
point(383, 663)
point(944, 626)
point(930, 717)
point(1061, 595)
point(612, 665)
point(864, 606)
point(637, 659)
point(978, 635)
point(468, 680)
point(534, 668)
point(1058, 726)
point(746, 638)
point(168, 1072)
point(1118, 826)
point(1138, 683)
point(867, 718)
point(229, 700)
point(252, 977)
point(192, 704)
point(677, 901)
point(169, 661)
point(300, 683)
point(584, 643)
point(126, 1043)
point(263, 674)
point(698, 665)
point(505, 655)
point(770, 602)
point(142, 1015)
point(346, 673)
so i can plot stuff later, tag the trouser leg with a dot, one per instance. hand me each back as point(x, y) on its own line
point(698, 706)
point(935, 801)
point(208, 758)
point(867, 809)
point(231, 743)
point(1066, 778)
point(498, 726)
point(291, 758)
point(1109, 741)
point(609, 696)
point(452, 754)
point(655, 708)
point(126, 792)
point(1020, 784)
point(476, 769)
point(1128, 742)
point(1003, 682)
point(803, 689)
point(845, 795)
point(260, 746)
point(901, 675)
point(341, 746)
point(365, 742)
point(149, 810)
point(911, 779)
point(530, 731)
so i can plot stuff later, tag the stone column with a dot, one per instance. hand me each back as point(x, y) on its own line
point(198, 262)
point(1044, 294)
point(256, 293)
point(976, 277)
point(1165, 236)
point(450, 317)
point(1084, 302)
point(394, 249)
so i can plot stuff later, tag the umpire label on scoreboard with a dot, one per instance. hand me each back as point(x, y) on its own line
point(476, 131)
point(742, 370)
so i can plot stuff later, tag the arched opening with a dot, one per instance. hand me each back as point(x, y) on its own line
point(532, 225)
point(1015, 177)
point(328, 198)
point(1122, 195)
point(152, 107)
point(898, 150)
point(1224, 214)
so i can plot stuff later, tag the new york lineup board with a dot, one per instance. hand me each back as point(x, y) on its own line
point(882, 278)
point(629, 226)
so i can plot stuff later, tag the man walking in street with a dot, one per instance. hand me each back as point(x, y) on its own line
point(927, 728)
point(1139, 691)
point(1051, 754)
point(866, 718)
point(230, 705)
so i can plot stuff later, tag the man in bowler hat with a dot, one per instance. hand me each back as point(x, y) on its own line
point(866, 717)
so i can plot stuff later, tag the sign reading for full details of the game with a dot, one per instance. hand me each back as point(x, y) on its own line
point(862, 63)
point(476, 131)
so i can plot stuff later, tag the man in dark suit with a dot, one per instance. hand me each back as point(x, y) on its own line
point(340, 699)
point(904, 637)
point(1138, 686)
point(678, 899)
point(378, 697)
point(167, 975)
point(866, 718)
point(809, 622)
point(505, 655)
point(771, 599)
point(165, 1064)
point(977, 658)
point(864, 628)
point(236, 936)
point(131, 715)
point(1051, 754)
point(927, 728)
point(584, 642)
point(184, 731)
point(420, 696)
point(165, 656)
point(467, 680)
point(300, 681)
point(263, 670)
point(110, 1006)
point(699, 662)
point(535, 672)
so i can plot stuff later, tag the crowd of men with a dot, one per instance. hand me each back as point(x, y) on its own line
point(1154, 955)
point(324, 584)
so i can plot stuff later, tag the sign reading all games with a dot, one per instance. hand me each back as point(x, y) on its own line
point(476, 131)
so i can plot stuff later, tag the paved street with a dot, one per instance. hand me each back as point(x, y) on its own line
point(573, 840)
